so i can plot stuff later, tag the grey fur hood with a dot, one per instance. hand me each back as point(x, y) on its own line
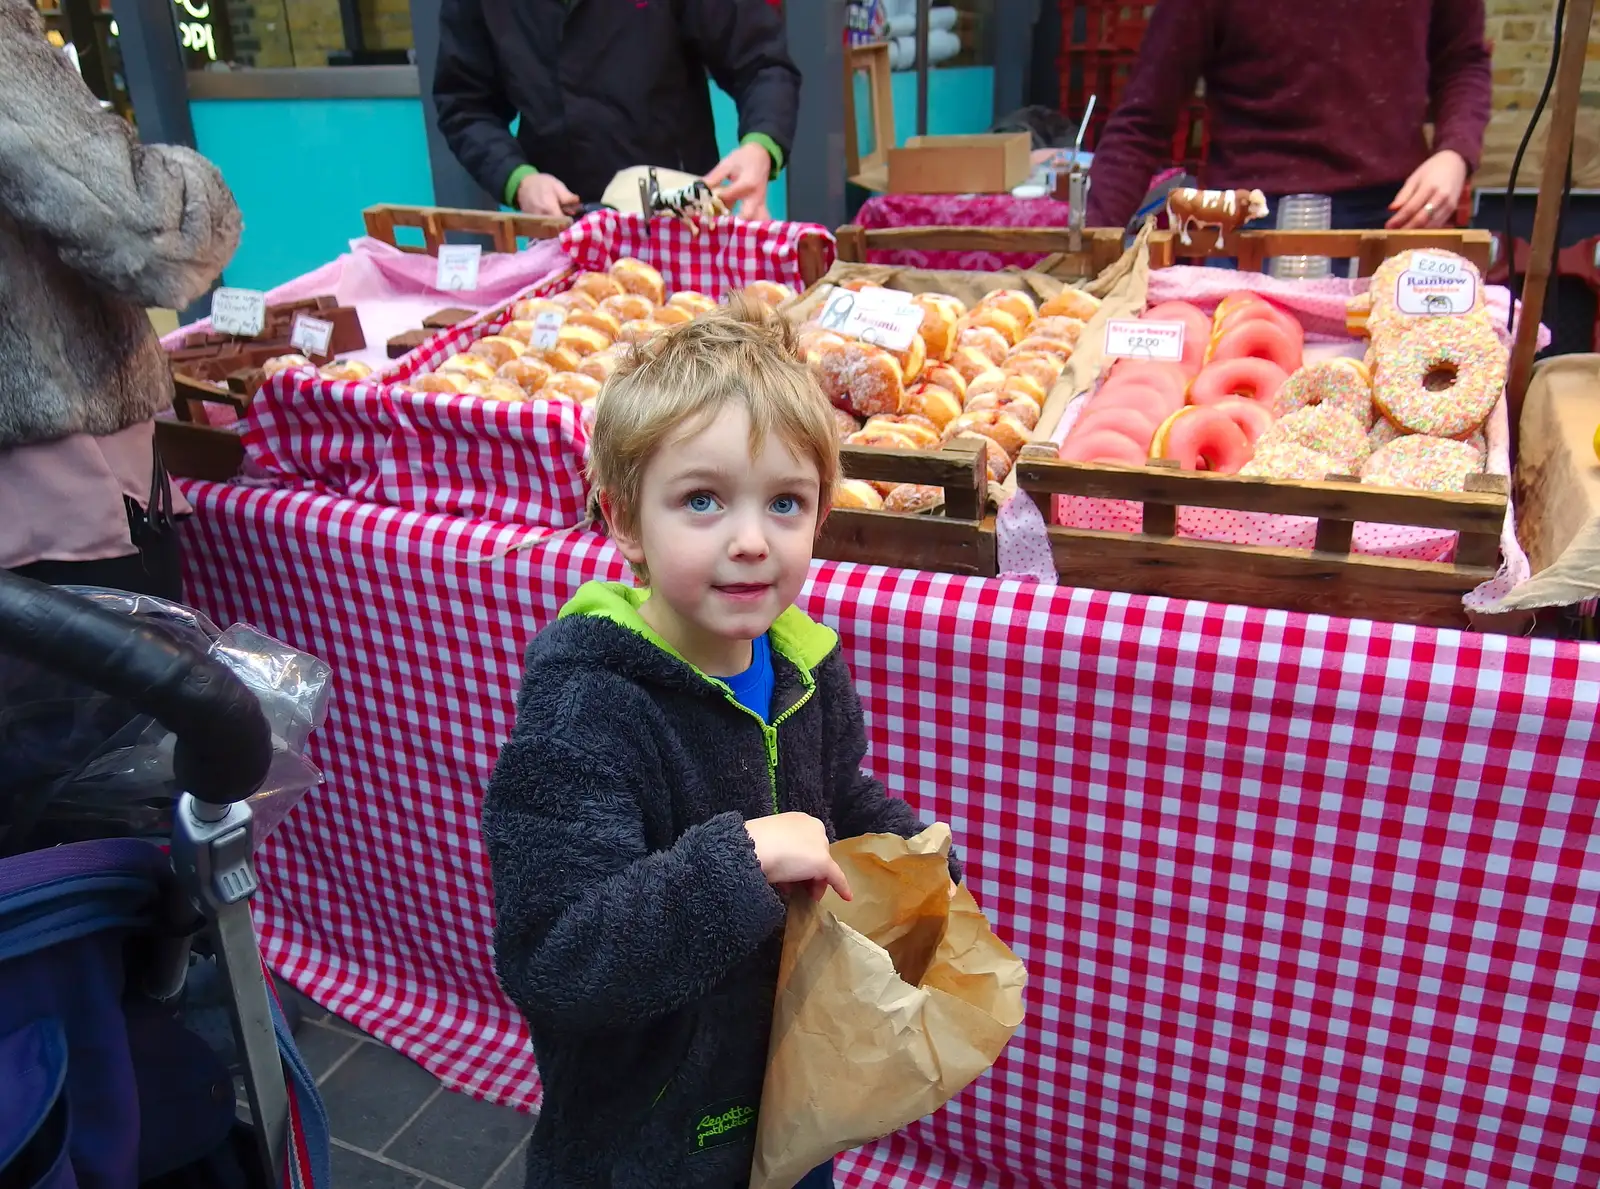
point(94, 228)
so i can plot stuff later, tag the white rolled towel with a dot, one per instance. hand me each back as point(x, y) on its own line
point(942, 46)
point(904, 23)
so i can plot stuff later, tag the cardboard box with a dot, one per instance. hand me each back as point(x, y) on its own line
point(985, 164)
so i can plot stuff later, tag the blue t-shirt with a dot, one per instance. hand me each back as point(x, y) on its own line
point(753, 687)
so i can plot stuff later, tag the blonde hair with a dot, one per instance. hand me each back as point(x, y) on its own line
point(740, 355)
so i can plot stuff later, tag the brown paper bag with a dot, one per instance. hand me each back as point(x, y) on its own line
point(887, 1006)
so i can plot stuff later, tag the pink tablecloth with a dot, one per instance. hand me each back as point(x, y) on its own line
point(1304, 901)
point(959, 210)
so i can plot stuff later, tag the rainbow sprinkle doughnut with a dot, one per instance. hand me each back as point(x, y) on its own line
point(1383, 432)
point(1289, 460)
point(1424, 463)
point(1383, 312)
point(1464, 358)
point(1344, 384)
point(1323, 430)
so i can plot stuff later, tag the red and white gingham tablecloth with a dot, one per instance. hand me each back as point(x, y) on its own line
point(1303, 901)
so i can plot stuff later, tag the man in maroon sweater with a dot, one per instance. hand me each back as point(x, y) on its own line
point(1327, 97)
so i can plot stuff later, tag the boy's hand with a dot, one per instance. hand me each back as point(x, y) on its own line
point(792, 848)
point(952, 889)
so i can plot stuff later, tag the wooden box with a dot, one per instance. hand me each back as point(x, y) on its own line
point(983, 164)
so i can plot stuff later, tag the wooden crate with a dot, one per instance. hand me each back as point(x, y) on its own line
point(982, 164)
point(1102, 247)
point(505, 228)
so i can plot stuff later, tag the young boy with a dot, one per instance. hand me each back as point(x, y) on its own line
point(681, 758)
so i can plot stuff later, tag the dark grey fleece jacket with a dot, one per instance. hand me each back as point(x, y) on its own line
point(633, 928)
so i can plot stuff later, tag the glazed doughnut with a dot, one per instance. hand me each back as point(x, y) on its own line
point(922, 432)
point(1045, 346)
point(1288, 460)
point(1249, 379)
point(572, 300)
point(1341, 383)
point(1256, 339)
point(562, 358)
point(941, 318)
point(1202, 439)
point(859, 284)
point(499, 390)
point(1250, 416)
point(1000, 428)
point(600, 365)
point(1020, 405)
point(638, 330)
point(1044, 370)
point(853, 493)
point(530, 308)
point(986, 340)
point(882, 437)
point(769, 293)
point(581, 340)
point(474, 367)
point(451, 382)
point(1424, 463)
point(628, 307)
point(1070, 303)
point(346, 369)
point(1440, 376)
point(1000, 319)
point(695, 303)
point(597, 320)
point(671, 315)
point(1324, 430)
point(933, 401)
point(526, 371)
point(635, 276)
point(597, 285)
point(844, 423)
point(971, 363)
point(1062, 330)
point(521, 332)
point(944, 376)
point(1014, 302)
point(1129, 422)
point(570, 386)
point(862, 378)
point(1103, 446)
point(995, 460)
point(282, 363)
point(912, 358)
point(497, 349)
point(913, 497)
point(1167, 377)
point(1196, 330)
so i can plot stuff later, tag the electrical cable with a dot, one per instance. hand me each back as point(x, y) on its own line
point(1509, 243)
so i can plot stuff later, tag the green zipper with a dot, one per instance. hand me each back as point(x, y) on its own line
point(769, 731)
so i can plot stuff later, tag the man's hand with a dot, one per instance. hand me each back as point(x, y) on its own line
point(542, 194)
point(740, 180)
point(793, 849)
point(1431, 194)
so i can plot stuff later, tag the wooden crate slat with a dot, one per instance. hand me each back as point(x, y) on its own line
point(913, 542)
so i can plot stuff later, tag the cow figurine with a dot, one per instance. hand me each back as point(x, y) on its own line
point(696, 203)
point(1226, 210)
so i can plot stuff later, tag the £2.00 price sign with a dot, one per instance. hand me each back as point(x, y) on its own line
point(1130, 338)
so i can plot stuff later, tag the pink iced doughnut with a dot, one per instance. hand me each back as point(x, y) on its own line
point(1202, 439)
point(1153, 405)
point(1170, 377)
point(1245, 379)
point(1258, 339)
point(1131, 423)
point(1196, 330)
point(1258, 309)
point(1103, 445)
point(1250, 416)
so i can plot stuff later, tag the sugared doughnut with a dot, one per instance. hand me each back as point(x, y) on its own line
point(1248, 379)
point(1013, 302)
point(813, 343)
point(695, 303)
point(671, 315)
point(1007, 381)
point(1000, 428)
point(1044, 370)
point(1256, 339)
point(582, 340)
point(571, 386)
point(844, 423)
point(1070, 303)
point(1324, 430)
point(562, 358)
point(769, 293)
point(530, 308)
point(597, 285)
point(997, 318)
point(941, 317)
point(923, 433)
point(1041, 344)
point(1129, 422)
point(346, 369)
point(1289, 460)
point(944, 376)
point(1062, 330)
point(1250, 416)
point(933, 401)
point(282, 363)
point(1019, 404)
point(1103, 445)
point(1202, 439)
point(497, 349)
point(638, 330)
point(474, 367)
point(913, 497)
point(995, 460)
point(1440, 376)
point(1423, 462)
point(597, 320)
point(574, 299)
point(1341, 383)
point(600, 365)
point(862, 378)
point(971, 363)
point(450, 382)
point(882, 437)
point(853, 493)
point(635, 276)
point(628, 307)
point(528, 372)
point(993, 345)
point(1168, 377)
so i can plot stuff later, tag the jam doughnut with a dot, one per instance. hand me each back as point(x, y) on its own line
point(941, 318)
point(282, 363)
point(574, 300)
point(1000, 428)
point(1196, 330)
point(853, 493)
point(1062, 330)
point(635, 276)
point(913, 497)
point(1044, 370)
point(346, 369)
point(882, 437)
point(569, 386)
point(636, 331)
point(671, 315)
point(1248, 379)
point(1012, 382)
point(597, 285)
point(1248, 415)
point(1045, 346)
point(1002, 321)
point(450, 382)
point(933, 401)
point(1019, 404)
point(582, 340)
point(600, 365)
point(628, 307)
point(769, 293)
point(528, 372)
point(1256, 339)
point(1424, 463)
point(522, 331)
point(993, 345)
point(912, 358)
point(695, 303)
point(844, 423)
point(859, 284)
point(1167, 377)
point(499, 390)
point(1202, 439)
point(1130, 423)
point(1103, 445)
point(1070, 303)
point(474, 367)
point(921, 432)
point(1013, 302)
point(1340, 383)
point(1325, 430)
point(596, 320)
point(1288, 460)
point(971, 363)
point(530, 308)
point(1440, 376)
point(497, 349)
point(862, 378)
point(942, 375)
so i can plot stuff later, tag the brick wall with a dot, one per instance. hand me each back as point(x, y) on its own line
point(1521, 31)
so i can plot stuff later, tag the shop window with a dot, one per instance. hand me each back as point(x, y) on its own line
point(268, 34)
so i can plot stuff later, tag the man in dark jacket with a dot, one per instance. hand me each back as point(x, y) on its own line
point(603, 85)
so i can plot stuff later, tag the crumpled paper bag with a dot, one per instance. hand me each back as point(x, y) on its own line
point(887, 1006)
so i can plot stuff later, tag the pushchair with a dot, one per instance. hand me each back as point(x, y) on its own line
point(101, 1084)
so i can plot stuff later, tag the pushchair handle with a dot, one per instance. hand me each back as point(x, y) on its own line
point(224, 745)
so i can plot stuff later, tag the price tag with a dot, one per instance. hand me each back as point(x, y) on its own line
point(1132, 339)
point(1432, 265)
point(458, 267)
point(241, 312)
point(883, 317)
point(547, 328)
point(311, 336)
point(1422, 293)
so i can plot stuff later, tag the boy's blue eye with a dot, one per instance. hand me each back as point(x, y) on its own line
point(701, 501)
point(786, 505)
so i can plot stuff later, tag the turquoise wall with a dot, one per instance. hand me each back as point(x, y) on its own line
point(330, 158)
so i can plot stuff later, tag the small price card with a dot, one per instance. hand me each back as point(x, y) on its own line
point(311, 336)
point(1132, 339)
point(547, 328)
point(241, 312)
point(458, 267)
point(1423, 292)
point(883, 317)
